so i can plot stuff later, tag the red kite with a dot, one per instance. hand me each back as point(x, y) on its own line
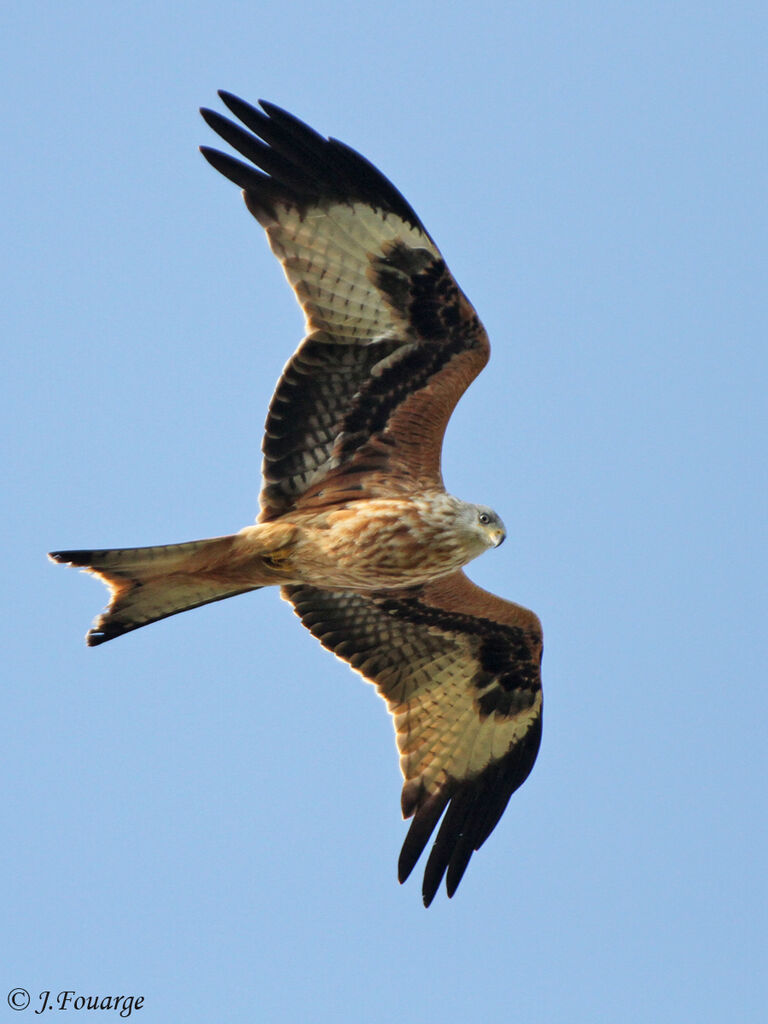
point(355, 524)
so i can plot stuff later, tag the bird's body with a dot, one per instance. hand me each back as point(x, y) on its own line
point(355, 524)
point(372, 544)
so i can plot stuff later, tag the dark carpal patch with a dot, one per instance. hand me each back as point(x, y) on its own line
point(508, 678)
point(435, 306)
point(422, 290)
point(509, 675)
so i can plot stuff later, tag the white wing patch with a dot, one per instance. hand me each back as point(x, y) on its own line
point(440, 734)
point(326, 256)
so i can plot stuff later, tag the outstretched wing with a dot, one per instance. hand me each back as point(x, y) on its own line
point(392, 343)
point(460, 671)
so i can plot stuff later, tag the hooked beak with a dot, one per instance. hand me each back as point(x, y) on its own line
point(499, 537)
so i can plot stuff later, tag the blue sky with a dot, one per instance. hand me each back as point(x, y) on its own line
point(206, 812)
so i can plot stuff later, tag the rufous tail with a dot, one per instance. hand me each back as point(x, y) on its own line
point(147, 584)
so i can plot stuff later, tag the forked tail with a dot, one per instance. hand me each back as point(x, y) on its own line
point(147, 584)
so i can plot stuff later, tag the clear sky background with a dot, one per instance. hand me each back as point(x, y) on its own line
point(206, 812)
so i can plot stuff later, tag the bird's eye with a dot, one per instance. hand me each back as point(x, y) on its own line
point(484, 518)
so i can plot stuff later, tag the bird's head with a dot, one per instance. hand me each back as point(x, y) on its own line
point(491, 525)
point(484, 524)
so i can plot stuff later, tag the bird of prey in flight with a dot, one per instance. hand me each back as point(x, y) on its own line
point(355, 524)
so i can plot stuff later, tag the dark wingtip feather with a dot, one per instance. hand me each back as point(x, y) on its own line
point(301, 165)
point(238, 105)
point(448, 836)
point(458, 864)
point(76, 558)
point(422, 827)
point(235, 170)
point(273, 110)
point(108, 631)
point(210, 116)
point(95, 637)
